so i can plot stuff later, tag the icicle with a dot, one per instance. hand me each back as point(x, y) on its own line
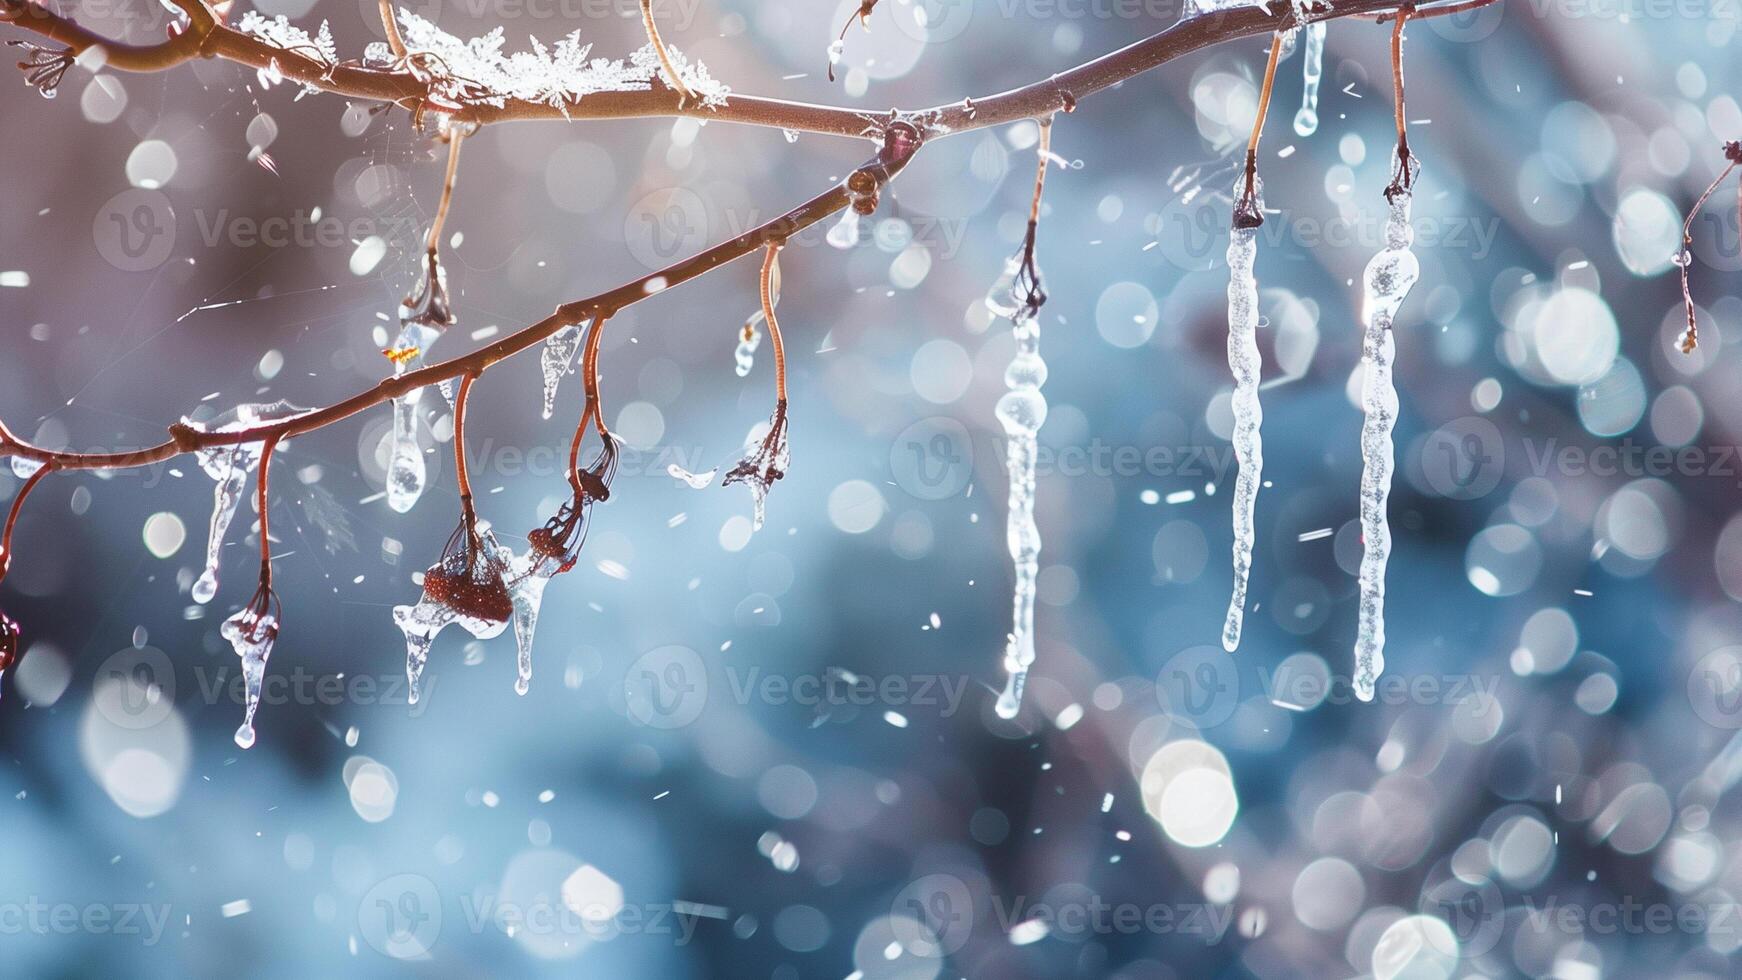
point(696, 481)
point(405, 466)
point(1306, 121)
point(764, 464)
point(845, 233)
point(558, 359)
point(229, 466)
point(527, 577)
point(1244, 362)
point(252, 634)
point(1387, 280)
point(1022, 411)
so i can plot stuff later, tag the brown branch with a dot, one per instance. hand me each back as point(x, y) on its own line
point(402, 86)
point(900, 132)
point(1247, 213)
point(390, 24)
point(900, 146)
point(12, 515)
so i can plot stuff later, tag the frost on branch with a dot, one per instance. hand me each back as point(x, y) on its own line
point(230, 466)
point(476, 72)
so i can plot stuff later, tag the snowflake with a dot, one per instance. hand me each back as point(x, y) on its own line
point(280, 32)
point(478, 72)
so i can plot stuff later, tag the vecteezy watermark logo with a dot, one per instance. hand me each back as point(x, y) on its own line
point(134, 231)
point(1715, 688)
point(1199, 687)
point(135, 688)
point(933, 458)
point(1474, 909)
point(933, 21)
point(1193, 236)
point(401, 917)
point(666, 688)
point(933, 916)
point(1464, 459)
point(1468, 26)
point(664, 225)
point(37, 917)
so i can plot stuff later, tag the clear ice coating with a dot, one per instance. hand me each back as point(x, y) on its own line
point(1246, 365)
point(1312, 70)
point(1387, 280)
point(230, 466)
point(1022, 410)
point(527, 577)
point(845, 232)
point(421, 623)
point(762, 465)
point(23, 468)
point(252, 636)
point(695, 481)
point(405, 467)
point(557, 359)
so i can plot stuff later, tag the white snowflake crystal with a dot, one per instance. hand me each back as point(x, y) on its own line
point(478, 72)
point(279, 31)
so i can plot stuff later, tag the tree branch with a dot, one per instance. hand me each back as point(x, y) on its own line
point(403, 87)
point(901, 132)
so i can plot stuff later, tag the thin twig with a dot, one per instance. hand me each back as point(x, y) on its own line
point(395, 42)
point(770, 261)
point(12, 515)
point(265, 542)
point(455, 134)
point(685, 96)
point(1685, 258)
point(1246, 211)
point(460, 476)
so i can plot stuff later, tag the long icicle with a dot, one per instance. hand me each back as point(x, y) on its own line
point(1387, 280)
point(1312, 71)
point(1244, 360)
point(1018, 295)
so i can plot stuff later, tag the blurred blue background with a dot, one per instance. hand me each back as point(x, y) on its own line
point(773, 754)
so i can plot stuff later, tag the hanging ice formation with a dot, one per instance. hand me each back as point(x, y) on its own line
point(251, 632)
point(765, 462)
point(1017, 295)
point(423, 317)
point(467, 587)
point(1245, 363)
point(557, 359)
point(1312, 70)
point(1387, 280)
point(229, 466)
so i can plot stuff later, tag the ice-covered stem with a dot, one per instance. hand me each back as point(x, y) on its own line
point(1019, 295)
point(1685, 258)
point(766, 463)
point(900, 143)
point(684, 96)
point(1247, 211)
point(403, 86)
